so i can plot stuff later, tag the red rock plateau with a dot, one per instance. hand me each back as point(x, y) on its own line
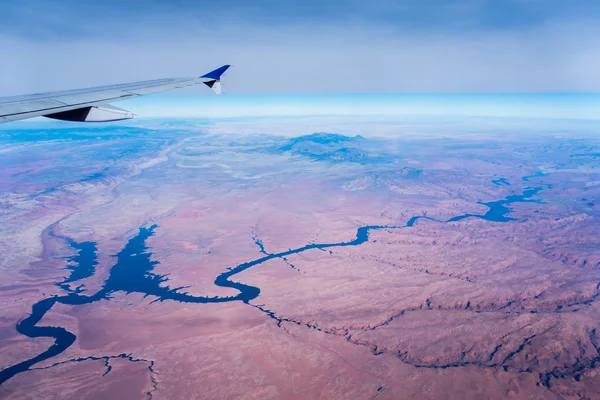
point(194, 266)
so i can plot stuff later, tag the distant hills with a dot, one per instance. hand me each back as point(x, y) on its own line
point(322, 139)
point(333, 147)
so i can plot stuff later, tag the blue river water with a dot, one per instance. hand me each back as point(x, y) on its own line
point(501, 181)
point(82, 265)
point(133, 272)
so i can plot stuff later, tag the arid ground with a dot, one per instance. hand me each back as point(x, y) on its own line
point(187, 260)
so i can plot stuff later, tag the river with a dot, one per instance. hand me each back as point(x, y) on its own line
point(133, 272)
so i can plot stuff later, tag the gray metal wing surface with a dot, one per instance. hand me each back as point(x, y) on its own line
point(92, 104)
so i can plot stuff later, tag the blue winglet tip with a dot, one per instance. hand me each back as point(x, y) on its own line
point(216, 74)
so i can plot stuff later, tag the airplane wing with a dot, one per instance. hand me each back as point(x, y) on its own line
point(91, 104)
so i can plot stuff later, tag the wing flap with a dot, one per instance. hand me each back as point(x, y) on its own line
point(92, 114)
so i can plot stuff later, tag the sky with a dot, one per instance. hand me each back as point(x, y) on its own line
point(306, 47)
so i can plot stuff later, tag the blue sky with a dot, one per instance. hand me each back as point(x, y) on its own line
point(43, 19)
point(340, 46)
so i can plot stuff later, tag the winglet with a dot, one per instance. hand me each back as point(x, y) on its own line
point(215, 78)
point(216, 74)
